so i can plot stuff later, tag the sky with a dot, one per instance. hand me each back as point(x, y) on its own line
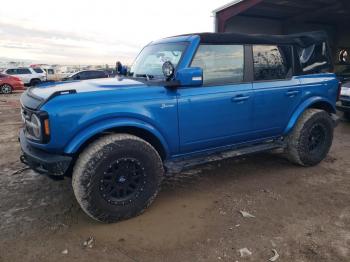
point(95, 31)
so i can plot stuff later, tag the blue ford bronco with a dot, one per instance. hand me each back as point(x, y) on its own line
point(185, 101)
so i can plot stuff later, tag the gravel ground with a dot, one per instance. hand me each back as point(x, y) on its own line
point(302, 213)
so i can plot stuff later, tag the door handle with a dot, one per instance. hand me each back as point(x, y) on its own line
point(292, 93)
point(239, 98)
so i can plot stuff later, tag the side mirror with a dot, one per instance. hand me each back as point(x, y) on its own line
point(191, 76)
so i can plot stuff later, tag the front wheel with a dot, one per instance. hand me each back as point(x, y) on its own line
point(117, 177)
point(6, 89)
point(310, 141)
point(35, 82)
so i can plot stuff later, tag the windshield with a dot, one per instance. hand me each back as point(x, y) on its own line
point(151, 59)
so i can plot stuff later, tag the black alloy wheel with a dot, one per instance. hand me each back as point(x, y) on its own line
point(122, 180)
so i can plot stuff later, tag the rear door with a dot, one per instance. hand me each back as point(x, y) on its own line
point(24, 74)
point(219, 113)
point(276, 92)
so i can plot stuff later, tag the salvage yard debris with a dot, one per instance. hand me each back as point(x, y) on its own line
point(245, 252)
point(20, 171)
point(275, 256)
point(65, 252)
point(246, 214)
point(89, 242)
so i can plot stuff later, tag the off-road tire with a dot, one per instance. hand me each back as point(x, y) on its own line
point(6, 89)
point(115, 149)
point(35, 82)
point(300, 139)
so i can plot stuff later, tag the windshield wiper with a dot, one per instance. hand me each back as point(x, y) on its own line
point(147, 76)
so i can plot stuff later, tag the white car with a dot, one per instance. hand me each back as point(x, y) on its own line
point(29, 76)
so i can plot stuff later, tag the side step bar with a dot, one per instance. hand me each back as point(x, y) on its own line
point(178, 165)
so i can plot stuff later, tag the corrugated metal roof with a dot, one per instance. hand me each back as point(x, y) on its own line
point(227, 5)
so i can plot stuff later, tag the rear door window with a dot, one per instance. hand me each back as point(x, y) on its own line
point(315, 59)
point(272, 62)
point(23, 71)
point(221, 64)
point(11, 71)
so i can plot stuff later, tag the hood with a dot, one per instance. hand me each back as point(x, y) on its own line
point(35, 97)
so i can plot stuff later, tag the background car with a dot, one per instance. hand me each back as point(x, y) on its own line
point(344, 101)
point(28, 75)
point(343, 73)
point(86, 74)
point(10, 83)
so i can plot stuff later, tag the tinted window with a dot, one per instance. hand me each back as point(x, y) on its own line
point(23, 71)
point(220, 63)
point(38, 70)
point(84, 75)
point(11, 71)
point(89, 74)
point(50, 71)
point(94, 74)
point(77, 76)
point(100, 74)
point(272, 62)
point(314, 59)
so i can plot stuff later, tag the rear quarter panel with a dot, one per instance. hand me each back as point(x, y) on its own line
point(320, 85)
point(316, 88)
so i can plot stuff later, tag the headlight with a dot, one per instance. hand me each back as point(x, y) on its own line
point(34, 127)
point(36, 124)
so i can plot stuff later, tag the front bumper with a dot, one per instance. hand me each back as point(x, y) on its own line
point(41, 161)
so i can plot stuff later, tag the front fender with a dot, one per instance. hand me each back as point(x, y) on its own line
point(302, 107)
point(98, 127)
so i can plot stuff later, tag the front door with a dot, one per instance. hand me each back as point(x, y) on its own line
point(219, 113)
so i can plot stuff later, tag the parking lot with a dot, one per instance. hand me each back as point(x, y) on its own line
point(302, 213)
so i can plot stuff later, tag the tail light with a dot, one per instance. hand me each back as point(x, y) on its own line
point(339, 90)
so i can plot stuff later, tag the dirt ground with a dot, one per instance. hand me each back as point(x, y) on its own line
point(302, 213)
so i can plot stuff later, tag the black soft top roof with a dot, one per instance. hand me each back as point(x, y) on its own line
point(301, 39)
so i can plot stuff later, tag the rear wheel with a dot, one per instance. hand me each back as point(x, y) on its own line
point(6, 89)
point(311, 138)
point(117, 177)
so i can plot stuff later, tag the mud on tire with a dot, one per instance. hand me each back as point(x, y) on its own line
point(310, 141)
point(117, 177)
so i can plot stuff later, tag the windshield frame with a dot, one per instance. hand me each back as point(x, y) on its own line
point(161, 76)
